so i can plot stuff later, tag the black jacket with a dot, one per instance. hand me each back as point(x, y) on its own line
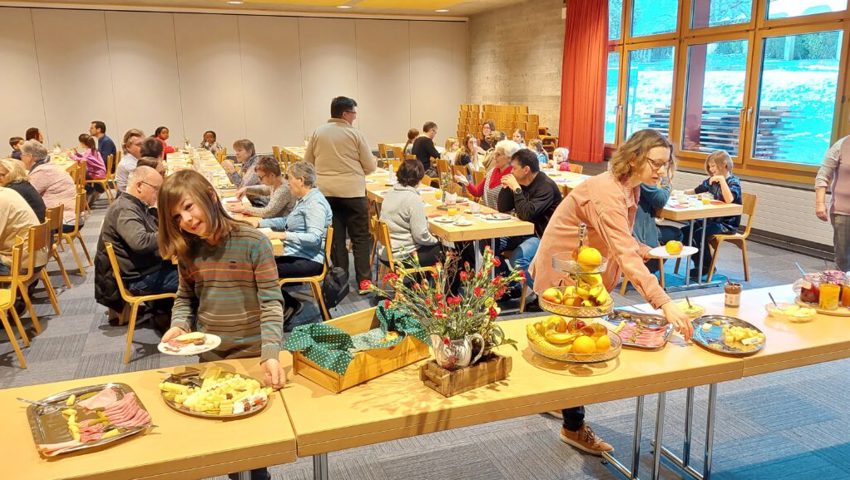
point(535, 203)
point(131, 227)
point(424, 149)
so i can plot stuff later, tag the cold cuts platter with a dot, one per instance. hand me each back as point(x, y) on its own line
point(641, 330)
point(86, 417)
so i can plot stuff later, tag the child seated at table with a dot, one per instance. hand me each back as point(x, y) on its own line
point(560, 159)
point(723, 186)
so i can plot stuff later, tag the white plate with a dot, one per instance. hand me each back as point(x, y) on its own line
point(211, 343)
point(497, 216)
point(465, 223)
point(661, 252)
point(444, 219)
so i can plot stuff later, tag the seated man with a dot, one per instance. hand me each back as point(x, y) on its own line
point(130, 224)
point(533, 196)
point(16, 218)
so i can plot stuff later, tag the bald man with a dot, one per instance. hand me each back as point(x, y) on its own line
point(131, 226)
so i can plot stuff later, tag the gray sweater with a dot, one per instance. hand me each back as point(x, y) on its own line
point(404, 213)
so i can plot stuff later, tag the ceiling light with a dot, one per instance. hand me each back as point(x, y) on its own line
point(235, 2)
point(442, 10)
point(343, 6)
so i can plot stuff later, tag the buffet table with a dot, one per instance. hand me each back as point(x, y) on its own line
point(180, 447)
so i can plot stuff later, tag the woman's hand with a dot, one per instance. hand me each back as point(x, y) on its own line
point(173, 332)
point(680, 321)
point(228, 166)
point(274, 375)
point(820, 211)
point(276, 235)
point(241, 192)
point(461, 179)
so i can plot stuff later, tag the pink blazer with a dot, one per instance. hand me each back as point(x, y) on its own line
point(608, 209)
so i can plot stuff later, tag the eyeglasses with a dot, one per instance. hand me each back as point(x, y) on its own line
point(351, 111)
point(154, 187)
point(658, 165)
point(261, 177)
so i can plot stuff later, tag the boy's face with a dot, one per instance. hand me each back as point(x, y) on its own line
point(18, 145)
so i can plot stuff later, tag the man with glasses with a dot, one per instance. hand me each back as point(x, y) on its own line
point(130, 224)
point(343, 158)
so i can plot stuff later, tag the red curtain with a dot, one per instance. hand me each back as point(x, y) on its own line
point(582, 126)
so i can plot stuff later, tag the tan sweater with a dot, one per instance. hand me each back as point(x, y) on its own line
point(16, 218)
point(342, 158)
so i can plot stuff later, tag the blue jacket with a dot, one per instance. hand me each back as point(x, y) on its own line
point(651, 200)
point(106, 147)
point(306, 227)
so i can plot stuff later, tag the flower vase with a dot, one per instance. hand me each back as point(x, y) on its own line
point(454, 354)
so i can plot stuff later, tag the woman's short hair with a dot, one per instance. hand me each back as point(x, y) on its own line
point(491, 124)
point(15, 171)
point(268, 165)
point(508, 147)
point(410, 173)
point(36, 149)
point(719, 158)
point(305, 171)
point(245, 144)
point(632, 155)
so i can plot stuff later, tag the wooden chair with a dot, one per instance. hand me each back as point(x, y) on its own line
point(398, 152)
point(739, 239)
point(7, 303)
point(221, 154)
point(391, 264)
point(130, 299)
point(110, 174)
point(576, 168)
point(276, 153)
point(385, 151)
point(315, 280)
point(38, 247)
point(54, 220)
point(410, 156)
point(506, 254)
point(625, 283)
point(442, 166)
point(395, 163)
point(104, 182)
point(75, 233)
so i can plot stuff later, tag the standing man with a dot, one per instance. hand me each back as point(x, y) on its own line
point(343, 159)
point(835, 174)
point(132, 153)
point(105, 145)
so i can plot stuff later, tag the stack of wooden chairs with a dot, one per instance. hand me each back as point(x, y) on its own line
point(507, 117)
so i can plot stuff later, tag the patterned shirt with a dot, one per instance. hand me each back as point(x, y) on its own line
point(280, 203)
point(231, 290)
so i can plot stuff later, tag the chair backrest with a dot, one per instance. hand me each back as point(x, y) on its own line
point(14, 273)
point(442, 165)
point(398, 152)
point(79, 207)
point(38, 243)
point(276, 153)
point(116, 271)
point(478, 176)
point(410, 156)
point(460, 170)
point(329, 240)
point(384, 150)
point(395, 163)
point(576, 168)
point(110, 161)
point(54, 217)
point(384, 239)
point(749, 201)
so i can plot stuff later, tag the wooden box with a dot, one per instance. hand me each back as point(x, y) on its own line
point(366, 365)
point(448, 382)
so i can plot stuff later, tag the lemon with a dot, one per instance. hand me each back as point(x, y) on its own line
point(584, 344)
point(589, 258)
point(603, 343)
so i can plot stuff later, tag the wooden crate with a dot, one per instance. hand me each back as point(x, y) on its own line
point(366, 365)
point(449, 383)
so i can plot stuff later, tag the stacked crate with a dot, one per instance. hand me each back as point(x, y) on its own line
point(507, 118)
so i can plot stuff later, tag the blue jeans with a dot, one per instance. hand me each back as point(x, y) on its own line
point(711, 229)
point(524, 249)
point(165, 280)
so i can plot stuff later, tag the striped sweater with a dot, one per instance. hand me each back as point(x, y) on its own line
point(231, 290)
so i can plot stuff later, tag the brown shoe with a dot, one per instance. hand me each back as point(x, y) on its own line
point(584, 439)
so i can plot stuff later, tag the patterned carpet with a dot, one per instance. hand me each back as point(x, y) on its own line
point(788, 425)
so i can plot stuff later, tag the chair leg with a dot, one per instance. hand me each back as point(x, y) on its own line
point(12, 339)
point(676, 267)
point(130, 328)
point(45, 278)
point(624, 285)
point(59, 262)
point(522, 297)
point(661, 271)
point(746, 260)
point(20, 326)
point(70, 242)
point(317, 292)
point(85, 248)
point(713, 261)
point(26, 296)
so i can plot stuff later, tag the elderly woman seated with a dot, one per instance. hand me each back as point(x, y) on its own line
point(14, 177)
point(403, 212)
point(51, 181)
point(304, 230)
point(274, 186)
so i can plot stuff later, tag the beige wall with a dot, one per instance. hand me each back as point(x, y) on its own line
point(266, 78)
point(515, 56)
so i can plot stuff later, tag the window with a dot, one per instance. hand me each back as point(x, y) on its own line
point(715, 96)
point(797, 8)
point(650, 90)
point(796, 97)
point(611, 100)
point(715, 13)
point(615, 19)
point(651, 17)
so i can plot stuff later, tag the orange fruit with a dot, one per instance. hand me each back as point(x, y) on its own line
point(584, 344)
point(589, 258)
point(603, 344)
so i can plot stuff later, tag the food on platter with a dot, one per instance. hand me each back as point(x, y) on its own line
point(691, 309)
point(736, 337)
point(574, 340)
point(728, 335)
point(191, 343)
point(641, 330)
point(88, 417)
point(791, 312)
point(673, 247)
point(214, 393)
point(588, 293)
point(589, 258)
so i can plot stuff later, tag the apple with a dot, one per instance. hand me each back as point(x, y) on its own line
point(673, 247)
point(552, 295)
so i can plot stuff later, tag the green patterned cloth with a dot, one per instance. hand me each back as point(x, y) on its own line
point(333, 349)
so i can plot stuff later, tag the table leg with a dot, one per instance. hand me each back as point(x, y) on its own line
point(622, 469)
point(689, 415)
point(688, 259)
point(682, 463)
point(320, 466)
point(701, 249)
point(244, 475)
point(659, 434)
point(476, 245)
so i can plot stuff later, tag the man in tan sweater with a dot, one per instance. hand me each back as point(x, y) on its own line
point(343, 159)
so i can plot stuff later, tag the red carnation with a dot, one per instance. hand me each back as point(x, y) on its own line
point(464, 276)
point(387, 304)
point(454, 300)
point(390, 277)
point(496, 261)
point(446, 340)
point(501, 292)
point(439, 296)
point(478, 291)
point(522, 274)
point(469, 313)
point(493, 312)
point(427, 301)
point(365, 284)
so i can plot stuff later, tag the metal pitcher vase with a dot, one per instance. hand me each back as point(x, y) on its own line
point(455, 354)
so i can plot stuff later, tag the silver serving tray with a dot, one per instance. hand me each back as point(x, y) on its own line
point(712, 341)
point(645, 321)
point(192, 376)
point(48, 425)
